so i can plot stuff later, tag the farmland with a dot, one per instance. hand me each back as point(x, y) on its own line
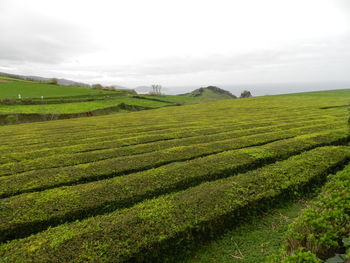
point(29, 101)
point(10, 88)
point(24, 101)
point(176, 183)
point(78, 107)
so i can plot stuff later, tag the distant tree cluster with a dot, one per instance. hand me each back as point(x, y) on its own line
point(100, 87)
point(52, 81)
point(31, 79)
point(156, 90)
point(97, 86)
point(246, 94)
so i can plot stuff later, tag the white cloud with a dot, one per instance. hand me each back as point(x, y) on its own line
point(176, 42)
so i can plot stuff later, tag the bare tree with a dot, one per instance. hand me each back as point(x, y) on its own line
point(156, 89)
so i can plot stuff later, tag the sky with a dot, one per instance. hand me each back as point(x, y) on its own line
point(177, 44)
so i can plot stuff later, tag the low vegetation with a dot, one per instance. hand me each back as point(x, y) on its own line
point(211, 93)
point(23, 100)
point(12, 88)
point(320, 229)
point(153, 186)
point(158, 223)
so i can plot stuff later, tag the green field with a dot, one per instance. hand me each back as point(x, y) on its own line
point(70, 100)
point(221, 181)
point(80, 106)
point(10, 88)
point(176, 99)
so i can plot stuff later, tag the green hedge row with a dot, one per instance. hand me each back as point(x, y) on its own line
point(142, 139)
point(321, 227)
point(54, 177)
point(119, 140)
point(211, 112)
point(45, 140)
point(116, 140)
point(130, 138)
point(120, 125)
point(105, 132)
point(19, 152)
point(62, 160)
point(30, 154)
point(27, 213)
point(170, 221)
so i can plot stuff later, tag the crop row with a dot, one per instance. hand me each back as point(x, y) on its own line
point(53, 159)
point(175, 116)
point(81, 138)
point(320, 228)
point(48, 178)
point(32, 153)
point(47, 135)
point(191, 113)
point(45, 141)
point(27, 213)
point(21, 153)
point(172, 220)
point(117, 141)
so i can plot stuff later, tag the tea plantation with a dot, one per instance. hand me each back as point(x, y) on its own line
point(160, 185)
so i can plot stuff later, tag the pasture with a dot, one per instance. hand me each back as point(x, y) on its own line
point(174, 184)
point(78, 107)
point(10, 88)
point(60, 100)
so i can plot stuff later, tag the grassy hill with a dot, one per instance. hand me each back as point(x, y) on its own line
point(210, 93)
point(180, 184)
point(10, 88)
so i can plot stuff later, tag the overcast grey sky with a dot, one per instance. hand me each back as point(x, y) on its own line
point(177, 43)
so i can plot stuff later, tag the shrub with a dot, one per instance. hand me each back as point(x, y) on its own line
point(11, 119)
point(320, 227)
point(53, 81)
point(126, 190)
point(246, 94)
point(97, 86)
point(175, 219)
point(7, 101)
point(27, 101)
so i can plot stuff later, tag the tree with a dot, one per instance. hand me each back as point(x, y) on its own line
point(246, 94)
point(156, 89)
point(97, 86)
point(53, 81)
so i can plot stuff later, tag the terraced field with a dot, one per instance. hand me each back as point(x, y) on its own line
point(148, 186)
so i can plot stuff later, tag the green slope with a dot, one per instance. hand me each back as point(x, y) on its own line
point(79, 107)
point(60, 99)
point(136, 186)
point(210, 93)
point(10, 88)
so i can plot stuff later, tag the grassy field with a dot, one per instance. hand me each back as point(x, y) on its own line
point(78, 107)
point(69, 100)
point(176, 99)
point(10, 88)
point(210, 182)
